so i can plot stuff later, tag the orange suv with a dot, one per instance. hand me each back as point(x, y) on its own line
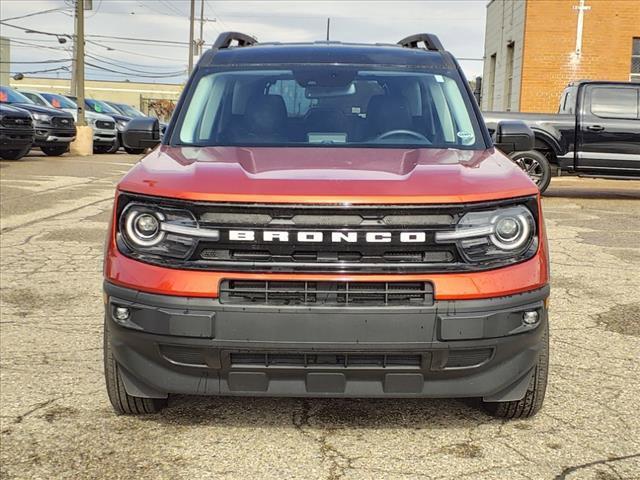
point(327, 220)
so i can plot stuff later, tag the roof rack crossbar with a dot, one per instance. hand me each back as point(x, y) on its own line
point(431, 41)
point(225, 39)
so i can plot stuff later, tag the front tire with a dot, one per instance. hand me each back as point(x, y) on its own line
point(102, 149)
point(531, 403)
point(16, 154)
point(122, 402)
point(535, 165)
point(115, 147)
point(134, 151)
point(55, 150)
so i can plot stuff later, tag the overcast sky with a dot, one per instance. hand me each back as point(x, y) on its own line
point(458, 23)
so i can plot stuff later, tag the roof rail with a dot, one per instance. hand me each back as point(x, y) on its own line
point(431, 41)
point(225, 39)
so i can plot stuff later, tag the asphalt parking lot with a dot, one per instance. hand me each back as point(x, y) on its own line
point(56, 421)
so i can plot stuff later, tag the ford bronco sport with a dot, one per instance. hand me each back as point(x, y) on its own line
point(327, 220)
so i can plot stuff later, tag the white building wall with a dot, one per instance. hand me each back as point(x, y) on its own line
point(505, 25)
point(5, 58)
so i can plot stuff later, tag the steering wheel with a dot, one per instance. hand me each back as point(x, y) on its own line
point(410, 133)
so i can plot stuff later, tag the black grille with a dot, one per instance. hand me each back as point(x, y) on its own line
point(323, 360)
point(62, 122)
point(17, 122)
point(105, 124)
point(187, 356)
point(340, 240)
point(242, 292)
point(344, 244)
point(468, 358)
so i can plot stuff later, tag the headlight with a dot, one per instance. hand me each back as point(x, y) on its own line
point(41, 117)
point(91, 122)
point(168, 232)
point(121, 124)
point(504, 233)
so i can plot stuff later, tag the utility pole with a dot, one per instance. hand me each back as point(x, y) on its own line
point(191, 26)
point(74, 64)
point(328, 27)
point(79, 62)
point(201, 39)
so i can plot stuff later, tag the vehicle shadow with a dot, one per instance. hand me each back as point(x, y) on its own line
point(322, 413)
point(601, 193)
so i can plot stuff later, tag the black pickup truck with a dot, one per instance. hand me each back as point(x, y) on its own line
point(595, 133)
point(16, 132)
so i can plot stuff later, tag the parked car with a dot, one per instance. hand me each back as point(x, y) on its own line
point(103, 126)
point(125, 109)
point(595, 134)
point(327, 220)
point(54, 129)
point(99, 106)
point(16, 132)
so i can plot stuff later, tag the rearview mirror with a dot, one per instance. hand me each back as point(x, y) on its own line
point(141, 132)
point(513, 136)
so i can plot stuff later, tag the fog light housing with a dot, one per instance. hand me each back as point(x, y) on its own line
point(121, 314)
point(530, 318)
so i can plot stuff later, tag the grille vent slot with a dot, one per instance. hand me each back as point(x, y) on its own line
point(468, 358)
point(253, 292)
point(320, 360)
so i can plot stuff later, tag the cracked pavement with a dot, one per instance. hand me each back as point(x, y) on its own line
point(56, 421)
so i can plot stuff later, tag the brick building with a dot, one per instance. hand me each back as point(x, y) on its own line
point(533, 48)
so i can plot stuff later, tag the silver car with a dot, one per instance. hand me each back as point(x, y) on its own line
point(104, 127)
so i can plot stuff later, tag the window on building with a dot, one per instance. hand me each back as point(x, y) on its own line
point(491, 84)
point(611, 102)
point(508, 87)
point(635, 60)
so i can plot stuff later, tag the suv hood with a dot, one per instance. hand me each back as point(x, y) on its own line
point(88, 114)
point(54, 112)
point(6, 109)
point(327, 175)
point(114, 116)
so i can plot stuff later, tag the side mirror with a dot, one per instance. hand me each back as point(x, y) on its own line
point(513, 136)
point(141, 132)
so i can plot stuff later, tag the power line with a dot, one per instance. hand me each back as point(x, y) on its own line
point(33, 14)
point(27, 44)
point(172, 8)
point(218, 18)
point(114, 37)
point(134, 53)
point(177, 72)
point(135, 74)
point(64, 60)
point(40, 71)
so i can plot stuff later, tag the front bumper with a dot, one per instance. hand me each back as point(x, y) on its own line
point(104, 137)
point(455, 348)
point(14, 138)
point(50, 136)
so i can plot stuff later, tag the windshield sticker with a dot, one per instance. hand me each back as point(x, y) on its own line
point(439, 78)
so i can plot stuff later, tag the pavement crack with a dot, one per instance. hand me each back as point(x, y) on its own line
point(44, 219)
point(339, 462)
point(37, 407)
point(569, 470)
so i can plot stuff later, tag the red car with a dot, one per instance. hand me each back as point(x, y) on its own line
point(327, 220)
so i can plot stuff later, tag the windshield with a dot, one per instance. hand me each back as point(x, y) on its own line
point(59, 101)
point(329, 106)
point(8, 95)
point(127, 110)
point(100, 107)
